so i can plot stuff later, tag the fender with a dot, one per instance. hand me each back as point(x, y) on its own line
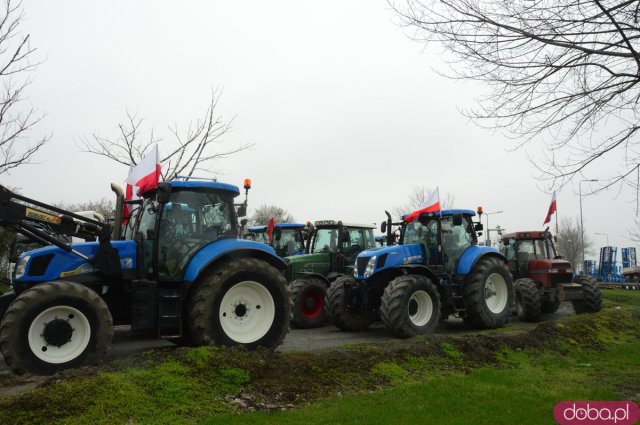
point(227, 247)
point(470, 257)
point(314, 275)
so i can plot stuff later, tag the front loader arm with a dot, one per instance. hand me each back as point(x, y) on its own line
point(22, 215)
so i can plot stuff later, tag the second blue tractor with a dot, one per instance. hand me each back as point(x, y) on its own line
point(435, 271)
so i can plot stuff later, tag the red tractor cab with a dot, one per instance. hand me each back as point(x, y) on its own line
point(542, 279)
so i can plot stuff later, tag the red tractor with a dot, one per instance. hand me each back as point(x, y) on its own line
point(543, 279)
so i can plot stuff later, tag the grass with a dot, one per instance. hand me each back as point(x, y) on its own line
point(490, 379)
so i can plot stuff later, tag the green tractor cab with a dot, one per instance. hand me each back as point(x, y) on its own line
point(330, 253)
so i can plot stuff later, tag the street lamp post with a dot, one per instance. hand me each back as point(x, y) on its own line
point(488, 238)
point(604, 234)
point(581, 222)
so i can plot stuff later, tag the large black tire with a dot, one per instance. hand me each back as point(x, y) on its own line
point(337, 313)
point(488, 294)
point(54, 326)
point(592, 301)
point(410, 306)
point(528, 304)
point(549, 307)
point(243, 301)
point(307, 296)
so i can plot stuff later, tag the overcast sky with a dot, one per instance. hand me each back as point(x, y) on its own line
point(346, 112)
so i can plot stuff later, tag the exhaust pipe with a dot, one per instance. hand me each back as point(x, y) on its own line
point(116, 233)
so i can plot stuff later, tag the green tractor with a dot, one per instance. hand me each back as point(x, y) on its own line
point(330, 253)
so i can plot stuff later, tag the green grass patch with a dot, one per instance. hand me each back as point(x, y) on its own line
point(490, 378)
point(620, 297)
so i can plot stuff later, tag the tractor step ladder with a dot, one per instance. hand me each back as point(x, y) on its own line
point(169, 312)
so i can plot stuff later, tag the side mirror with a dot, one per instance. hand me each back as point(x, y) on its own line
point(477, 227)
point(164, 192)
point(457, 219)
point(242, 211)
point(277, 234)
point(383, 227)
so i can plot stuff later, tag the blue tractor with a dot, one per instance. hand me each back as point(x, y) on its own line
point(436, 270)
point(177, 269)
point(288, 238)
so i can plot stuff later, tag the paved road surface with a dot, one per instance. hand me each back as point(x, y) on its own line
point(328, 336)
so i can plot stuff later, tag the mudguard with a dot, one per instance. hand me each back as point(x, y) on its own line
point(471, 256)
point(218, 249)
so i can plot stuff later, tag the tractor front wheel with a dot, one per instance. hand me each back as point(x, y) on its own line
point(488, 294)
point(527, 300)
point(54, 326)
point(307, 295)
point(240, 302)
point(592, 301)
point(338, 313)
point(410, 306)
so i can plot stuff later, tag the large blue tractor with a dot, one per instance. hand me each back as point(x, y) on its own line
point(436, 270)
point(177, 270)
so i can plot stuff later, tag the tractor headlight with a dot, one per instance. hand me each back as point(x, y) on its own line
point(371, 266)
point(21, 267)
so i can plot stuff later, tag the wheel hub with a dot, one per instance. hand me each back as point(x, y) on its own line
point(241, 310)
point(309, 302)
point(57, 332)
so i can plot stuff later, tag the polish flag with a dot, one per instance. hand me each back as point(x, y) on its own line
point(552, 209)
point(270, 228)
point(430, 205)
point(142, 178)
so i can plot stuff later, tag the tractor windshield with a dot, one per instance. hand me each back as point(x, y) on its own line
point(325, 240)
point(287, 242)
point(541, 249)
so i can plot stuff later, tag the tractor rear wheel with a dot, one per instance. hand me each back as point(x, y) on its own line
point(488, 294)
point(410, 306)
point(307, 295)
point(337, 312)
point(54, 326)
point(527, 300)
point(240, 302)
point(592, 301)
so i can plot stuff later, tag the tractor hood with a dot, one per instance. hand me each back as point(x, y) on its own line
point(549, 266)
point(53, 263)
point(373, 261)
point(319, 262)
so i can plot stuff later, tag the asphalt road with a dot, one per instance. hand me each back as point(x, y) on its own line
point(125, 344)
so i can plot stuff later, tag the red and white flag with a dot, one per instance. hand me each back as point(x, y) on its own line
point(270, 228)
point(552, 209)
point(142, 178)
point(430, 205)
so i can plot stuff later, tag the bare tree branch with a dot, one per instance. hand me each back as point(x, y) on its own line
point(561, 72)
point(16, 122)
point(193, 151)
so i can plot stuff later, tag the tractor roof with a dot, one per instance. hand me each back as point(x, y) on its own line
point(336, 223)
point(260, 229)
point(445, 213)
point(526, 234)
point(204, 184)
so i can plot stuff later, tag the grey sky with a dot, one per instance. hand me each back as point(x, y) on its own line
point(344, 109)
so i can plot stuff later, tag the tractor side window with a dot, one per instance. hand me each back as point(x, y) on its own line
point(369, 239)
point(147, 225)
point(190, 221)
point(326, 240)
point(287, 244)
point(355, 243)
point(455, 240)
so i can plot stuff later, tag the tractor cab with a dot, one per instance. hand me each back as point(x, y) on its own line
point(288, 239)
point(185, 217)
point(340, 242)
point(533, 255)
